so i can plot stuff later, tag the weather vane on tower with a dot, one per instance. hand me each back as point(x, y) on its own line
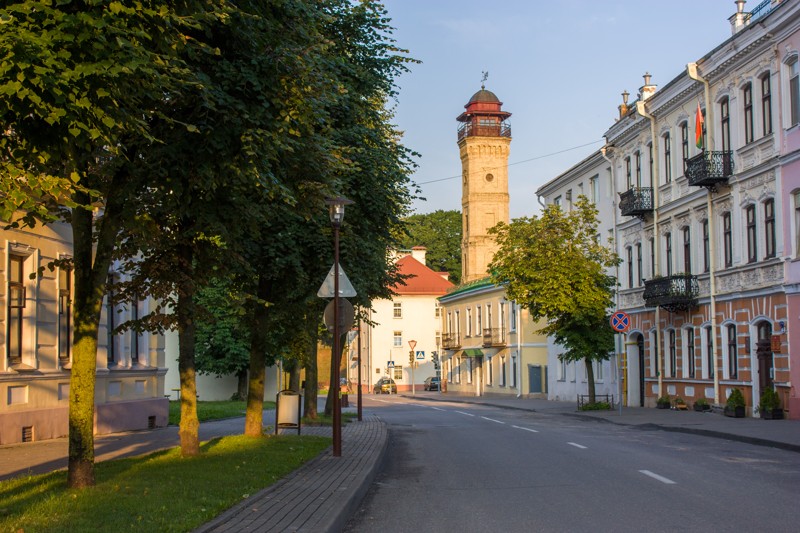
point(484, 78)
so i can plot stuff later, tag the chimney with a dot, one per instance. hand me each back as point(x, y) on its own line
point(740, 20)
point(623, 109)
point(646, 90)
point(418, 253)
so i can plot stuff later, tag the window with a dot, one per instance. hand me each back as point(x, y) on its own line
point(628, 176)
point(489, 373)
point(727, 242)
point(650, 162)
point(684, 143)
point(479, 320)
point(667, 157)
point(733, 362)
point(690, 351)
point(709, 352)
point(513, 326)
point(706, 246)
point(687, 251)
point(437, 310)
point(469, 369)
point(629, 251)
point(398, 310)
point(562, 369)
point(111, 349)
point(748, 113)
point(668, 243)
point(794, 92)
point(598, 371)
point(457, 374)
point(488, 315)
point(769, 228)
point(397, 339)
point(725, 122)
point(639, 264)
point(398, 373)
point(502, 370)
point(673, 354)
point(16, 305)
point(638, 159)
point(652, 257)
point(750, 215)
point(134, 333)
point(557, 201)
point(64, 314)
point(469, 322)
point(513, 371)
point(594, 186)
point(766, 104)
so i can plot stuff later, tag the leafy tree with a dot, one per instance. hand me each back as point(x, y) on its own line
point(440, 233)
point(554, 266)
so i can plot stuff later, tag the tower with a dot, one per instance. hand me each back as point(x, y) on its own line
point(483, 141)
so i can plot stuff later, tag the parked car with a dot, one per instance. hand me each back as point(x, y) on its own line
point(385, 386)
point(432, 383)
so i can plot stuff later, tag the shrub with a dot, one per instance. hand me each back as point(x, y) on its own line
point(664, 400)
point(596, 406)
point(736, 399)
point(769, 400)
point(701, 402)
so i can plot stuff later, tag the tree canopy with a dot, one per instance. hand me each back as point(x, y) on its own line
point(440, 233)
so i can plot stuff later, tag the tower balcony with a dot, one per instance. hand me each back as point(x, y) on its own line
point(636, 202)
point(673, 293)
point(472, 129)
point(451, 341)
point(707, 169)
point(494, 337)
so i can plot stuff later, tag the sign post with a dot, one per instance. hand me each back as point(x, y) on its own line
point(620, 322)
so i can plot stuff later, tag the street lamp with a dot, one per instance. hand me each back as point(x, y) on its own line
point(412, 345)
point(336, 207)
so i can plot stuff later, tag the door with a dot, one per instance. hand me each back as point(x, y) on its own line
point(764, 356)
point(640, 349)
point(535, 379)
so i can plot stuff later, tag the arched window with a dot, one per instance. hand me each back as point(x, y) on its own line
point(747, 93)
point(769, 228)
point(667, 159)
point(725, 123)
point(766, 105)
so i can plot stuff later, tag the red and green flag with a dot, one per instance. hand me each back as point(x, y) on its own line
point(698, 127)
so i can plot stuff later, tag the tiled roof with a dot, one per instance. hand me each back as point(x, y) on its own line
point(423, 280)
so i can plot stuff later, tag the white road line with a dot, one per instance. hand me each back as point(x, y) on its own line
point(492, 420)
point(437, 408)
point(463, 413)
point(662, 479)
point(526, 429)
point(577, 445)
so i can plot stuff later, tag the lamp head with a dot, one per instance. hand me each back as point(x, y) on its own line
point(336, 207)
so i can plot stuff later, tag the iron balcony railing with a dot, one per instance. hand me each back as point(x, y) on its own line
point(494, 337)
point(470, 129)
point(707, 169)
point(636, 201)
point(451, 341)
point(673, 293)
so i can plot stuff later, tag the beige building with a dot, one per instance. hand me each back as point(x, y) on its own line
point(36, 342)
point(490, 346)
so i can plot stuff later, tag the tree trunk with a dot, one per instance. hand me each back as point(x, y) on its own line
point(241, 385)
point(336, 372)
point(294, 377)
point(189, 427)
point(312, 385)
point(590, 379)
point(254, 416)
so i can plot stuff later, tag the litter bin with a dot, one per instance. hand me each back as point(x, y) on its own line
point(287, 410)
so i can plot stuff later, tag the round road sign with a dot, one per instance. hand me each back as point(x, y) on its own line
point(620, 321)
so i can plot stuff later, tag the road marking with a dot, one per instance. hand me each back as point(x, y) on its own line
point(526, 429)
point(437, 408)
point(492, 420)
point(463, 413)
point(662, 479)
point(577, 445)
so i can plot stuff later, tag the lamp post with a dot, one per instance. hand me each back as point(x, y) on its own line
point(336, 208)
point(412, 344)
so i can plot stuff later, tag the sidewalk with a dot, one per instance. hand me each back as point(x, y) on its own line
point(783, 434)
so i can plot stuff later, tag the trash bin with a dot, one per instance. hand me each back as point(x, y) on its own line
point(287, 410)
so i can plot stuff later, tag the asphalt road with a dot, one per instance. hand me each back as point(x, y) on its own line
point(465, 468)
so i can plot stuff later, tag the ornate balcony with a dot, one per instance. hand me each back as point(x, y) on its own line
point(451, 341)
point(494, 337)
point(636, 202)
point(673, 293)
point(707, 169)
point(471, 129)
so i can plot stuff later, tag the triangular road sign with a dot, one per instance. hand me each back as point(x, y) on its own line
point(346, 289)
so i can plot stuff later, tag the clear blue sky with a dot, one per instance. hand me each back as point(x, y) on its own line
point(558, 66)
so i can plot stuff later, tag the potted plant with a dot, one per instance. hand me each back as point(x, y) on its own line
point(663, 402)
point(769, 405)
point(734, 407)
point(701, 405)
point(680, 404)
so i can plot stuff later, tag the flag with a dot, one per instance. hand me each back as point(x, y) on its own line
point(698, 127)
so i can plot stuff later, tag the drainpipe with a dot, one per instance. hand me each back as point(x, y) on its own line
point(691, 70)
point(619, 337)
point(655, 181)
point(519, 351)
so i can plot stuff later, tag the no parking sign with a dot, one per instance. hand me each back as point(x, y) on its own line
point(620, 321)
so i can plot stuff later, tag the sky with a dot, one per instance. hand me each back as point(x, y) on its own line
point(558, 66)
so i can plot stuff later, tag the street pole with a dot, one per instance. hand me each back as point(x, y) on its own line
point(412, 344)
point(337, 403)
point(359, 370)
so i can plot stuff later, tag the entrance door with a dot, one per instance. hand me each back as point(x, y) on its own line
point(764, 355)
point(535, 379)
point(640, 348)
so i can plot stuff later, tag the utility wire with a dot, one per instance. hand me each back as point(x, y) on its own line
point(518, 162)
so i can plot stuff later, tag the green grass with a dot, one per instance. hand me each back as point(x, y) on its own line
point(212, 410)
point(158, 492)
point(323, 420)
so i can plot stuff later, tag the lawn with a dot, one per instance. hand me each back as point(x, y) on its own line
point(158, 492)
point(212, 410)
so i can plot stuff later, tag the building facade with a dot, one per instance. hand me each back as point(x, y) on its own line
point(36, 340)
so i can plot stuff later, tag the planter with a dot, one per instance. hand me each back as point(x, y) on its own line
point(734, 412)
point(772, 414)
point(662, 406)
point(702, 408)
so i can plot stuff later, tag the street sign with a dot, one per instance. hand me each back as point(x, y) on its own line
point(620, 321)
point(420, 355)
point(389, 364)
point(346, 289)
point(346, 316)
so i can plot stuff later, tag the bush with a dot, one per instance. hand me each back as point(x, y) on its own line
point(769, 400)
point(679, 401)
point(664, 400)
point(596, 406)
point(736, 399)
point(702, 402)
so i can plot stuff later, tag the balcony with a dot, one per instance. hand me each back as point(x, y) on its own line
point(451, 341)
point(673, 293)
point(494, 337)
point(470, 129)
point(636, 202)
point(707, 169)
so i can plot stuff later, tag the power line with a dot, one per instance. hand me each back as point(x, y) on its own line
point(518, 162)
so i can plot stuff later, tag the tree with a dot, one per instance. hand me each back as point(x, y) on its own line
point(440, 233)
point(554, 266)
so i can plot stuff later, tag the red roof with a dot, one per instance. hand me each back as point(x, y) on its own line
point(423, 280)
